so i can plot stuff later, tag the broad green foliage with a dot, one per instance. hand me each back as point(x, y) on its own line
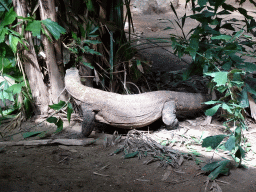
point(58, 106)
point(58, 121)
point(69, 111)
point(13, 83)
point(34, 27)
point(53, 28)
point(216, 168)
point(8, 33)
point(80, 46)
point(102, 39)
point(213, 141)
point(31, 134)
point(218, 47)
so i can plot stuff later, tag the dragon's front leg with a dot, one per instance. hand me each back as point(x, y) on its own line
point(169, 115)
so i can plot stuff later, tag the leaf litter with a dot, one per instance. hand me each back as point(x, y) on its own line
point(158, 146)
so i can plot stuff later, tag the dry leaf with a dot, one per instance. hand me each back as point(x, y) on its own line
point(67, 148)
point(207, 121)
point(139, 66)
point(167, 174)
point(181, 160)
point(96, 78)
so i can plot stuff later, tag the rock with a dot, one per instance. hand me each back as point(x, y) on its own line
point(153, 6)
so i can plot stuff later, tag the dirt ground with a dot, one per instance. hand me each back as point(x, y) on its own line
point(91, 168)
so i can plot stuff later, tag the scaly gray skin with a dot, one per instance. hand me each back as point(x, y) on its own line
point(130, 111)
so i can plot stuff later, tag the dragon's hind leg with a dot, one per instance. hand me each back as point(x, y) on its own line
point(88, 120)
point(169, 115)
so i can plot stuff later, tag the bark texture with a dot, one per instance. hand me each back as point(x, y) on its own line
point(31, 65)
point(47, 10)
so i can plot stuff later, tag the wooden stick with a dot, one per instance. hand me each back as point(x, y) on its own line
point(71, 142)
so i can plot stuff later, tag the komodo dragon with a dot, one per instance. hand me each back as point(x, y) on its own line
point(129, 111)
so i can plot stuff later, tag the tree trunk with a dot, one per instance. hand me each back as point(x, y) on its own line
point(47, 10)
point(31, 66)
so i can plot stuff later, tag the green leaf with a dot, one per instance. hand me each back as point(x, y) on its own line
point(222, 37)
point(31, 134)
point(244, 102)
point(227, 65)
point(94, 42)
point(167, 28)
point(215, 22)
point(54, 28)
point(217, 4)
point(240, 153)
point(228, 7)
point(228, 26)
point(211, 102)
point(202, 3)
point(118, 150)
point(13, 40)
point(35, 28)
point(244, 13)
point(238, 34)
point(249, 67)
point(74, 36)
point(253, 2)
point(93, 31)
point(91, 51)
point(219, 77)
point(183, 19)
point(165, 142)
point(89, 5)
point(194, 42)
point(88, 64)
point(59, 126)
point(192, 52)
point(58, 106)
point(226, 107)
point(236, 59)
point(194, 152)
point(186, 74)
point(131, 155)
point(231, 143)
point(221, 169)
point(211, 166)
point(212, 111)
point(3, 32)
point(139, 66)
point(249, 89)
point(69, 111)
point(213, 141)
point(238, 134)
point(4, 5)
point(174, 11)
point(9, 18)
point(224, 12)
point(52, 120)
point(207, 13)
point(16, 88)
point(28, 107)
